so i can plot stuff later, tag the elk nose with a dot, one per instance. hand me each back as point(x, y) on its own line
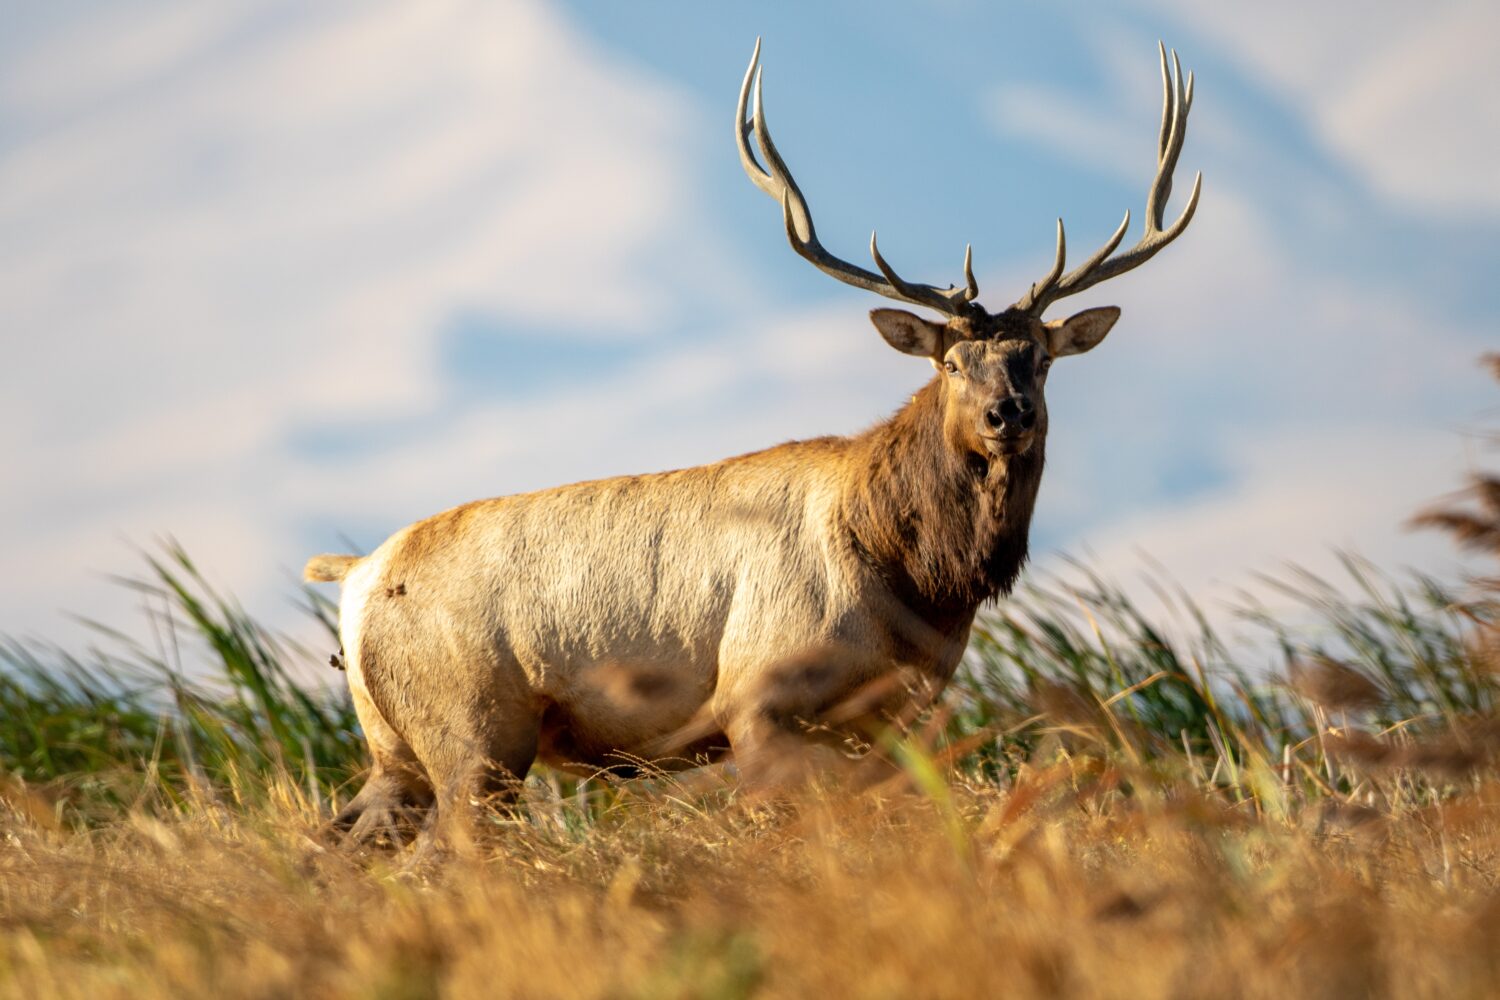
point(1013, 413)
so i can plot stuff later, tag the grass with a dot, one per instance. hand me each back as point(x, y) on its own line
point(1077, 878)
point(1080, 654)
point(1099, 808)
point(102, 731)
point(1102, 806)
point(1068, 661)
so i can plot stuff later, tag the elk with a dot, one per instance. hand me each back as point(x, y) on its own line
point(484, 638)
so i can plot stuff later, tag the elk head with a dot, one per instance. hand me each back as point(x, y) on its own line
point(994, 365)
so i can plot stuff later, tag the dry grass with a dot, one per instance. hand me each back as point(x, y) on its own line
point(1080, 878)
point(1115, 827)
point(1093, 812)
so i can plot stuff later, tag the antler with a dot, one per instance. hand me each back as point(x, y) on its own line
point(1176, 102)
point(776, 180)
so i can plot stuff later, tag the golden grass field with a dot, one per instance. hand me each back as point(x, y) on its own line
point(1074, 878)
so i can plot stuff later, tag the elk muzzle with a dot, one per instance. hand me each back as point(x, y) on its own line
point(1009, 424)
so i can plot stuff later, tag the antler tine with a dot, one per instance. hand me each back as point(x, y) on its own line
point(1041, 290)
point(971, 287)
point(1166, 158)
point(761, 179)
point(908, 291)
point(776, 180)
point(1166, 100)
point(1177, 101)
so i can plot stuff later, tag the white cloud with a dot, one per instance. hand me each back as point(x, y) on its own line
point(814, 372)
point(1405, 94)
point(218, 226)
point(1298, 496)
point(1076, 128)
point(337, 186)
point(127, 48)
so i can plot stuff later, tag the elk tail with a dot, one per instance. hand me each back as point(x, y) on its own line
point(327, 568)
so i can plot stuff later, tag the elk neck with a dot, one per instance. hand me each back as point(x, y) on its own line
point(946, 530)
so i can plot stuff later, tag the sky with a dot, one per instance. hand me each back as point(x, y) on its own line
point(279, 278)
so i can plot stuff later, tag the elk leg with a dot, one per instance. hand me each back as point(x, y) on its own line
point(396, 793)
point(473, 771)
point(387, 807)
point(813, 711)
point(771, 751)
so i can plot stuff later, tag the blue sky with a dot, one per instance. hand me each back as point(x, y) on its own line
point(272, 274)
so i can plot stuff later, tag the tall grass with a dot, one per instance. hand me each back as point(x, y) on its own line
point(1070, 664)
point(1377, 663)
point(1078, 877)
point(208, 700)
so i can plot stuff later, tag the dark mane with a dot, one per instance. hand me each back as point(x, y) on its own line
point(947, 531)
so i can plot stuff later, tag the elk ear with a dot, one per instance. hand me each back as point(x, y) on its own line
point(909, 333)
point(1080, 332)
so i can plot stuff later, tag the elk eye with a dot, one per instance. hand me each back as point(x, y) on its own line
point(950, 368)
point(1045, 364)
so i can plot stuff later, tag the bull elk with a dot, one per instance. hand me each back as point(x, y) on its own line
point(481, 639)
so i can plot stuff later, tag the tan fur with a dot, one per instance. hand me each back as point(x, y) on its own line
point(607, 622)
point(328, 568)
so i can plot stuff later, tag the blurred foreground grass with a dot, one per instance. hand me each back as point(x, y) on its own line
point(1102, 806)
point(1077, 878)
